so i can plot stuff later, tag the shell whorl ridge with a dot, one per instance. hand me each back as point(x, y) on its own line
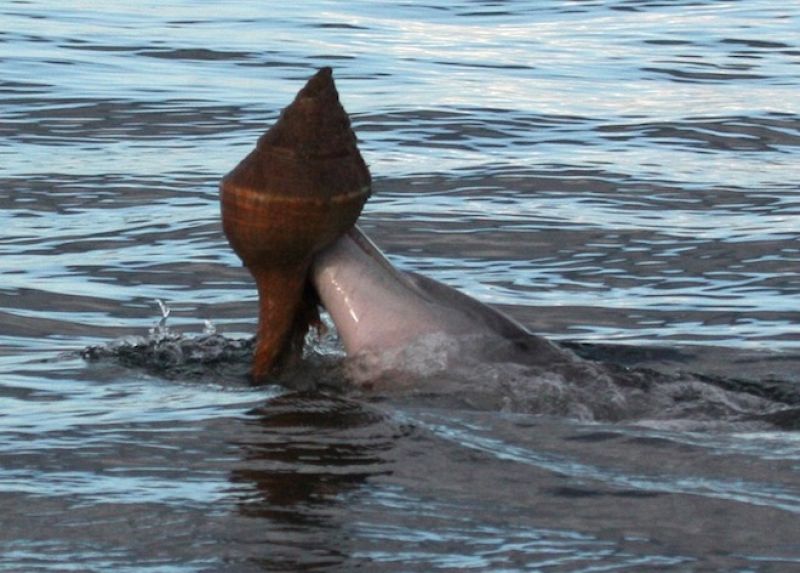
point(303, 186)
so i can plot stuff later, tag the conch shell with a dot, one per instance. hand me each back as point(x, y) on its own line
point(301, 187)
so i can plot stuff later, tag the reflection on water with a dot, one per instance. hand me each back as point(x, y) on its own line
point(606, 171)
point(302, 454)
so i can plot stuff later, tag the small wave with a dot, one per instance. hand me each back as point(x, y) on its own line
point(739, 490)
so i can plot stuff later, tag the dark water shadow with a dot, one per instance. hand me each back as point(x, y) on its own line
point(303, 455)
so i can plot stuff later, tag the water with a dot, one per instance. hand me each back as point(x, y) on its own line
point(607, 172)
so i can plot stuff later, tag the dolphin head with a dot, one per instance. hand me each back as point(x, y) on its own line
point(377, 308)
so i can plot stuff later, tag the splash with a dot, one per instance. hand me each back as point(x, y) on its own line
point(212, 357)
point(160, 329)
point(171, 354)
point(469, 373)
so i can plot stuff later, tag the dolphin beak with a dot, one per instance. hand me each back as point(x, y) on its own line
point(373, 252)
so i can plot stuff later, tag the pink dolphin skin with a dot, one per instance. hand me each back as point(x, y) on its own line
point(377, 307)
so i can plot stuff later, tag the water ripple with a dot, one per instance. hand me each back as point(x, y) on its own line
point(607, 171)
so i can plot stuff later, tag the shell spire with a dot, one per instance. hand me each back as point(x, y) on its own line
point(302, 186)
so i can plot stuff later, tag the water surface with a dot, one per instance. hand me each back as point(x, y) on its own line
point(607, 172)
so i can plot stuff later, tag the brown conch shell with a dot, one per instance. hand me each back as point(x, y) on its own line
point(301, 187)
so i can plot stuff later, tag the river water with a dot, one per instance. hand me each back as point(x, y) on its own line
point(622, 176)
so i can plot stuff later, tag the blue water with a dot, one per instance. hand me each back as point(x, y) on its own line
point(617, 173)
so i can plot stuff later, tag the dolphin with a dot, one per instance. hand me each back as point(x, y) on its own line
point(378, 309)
point(407, 334)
